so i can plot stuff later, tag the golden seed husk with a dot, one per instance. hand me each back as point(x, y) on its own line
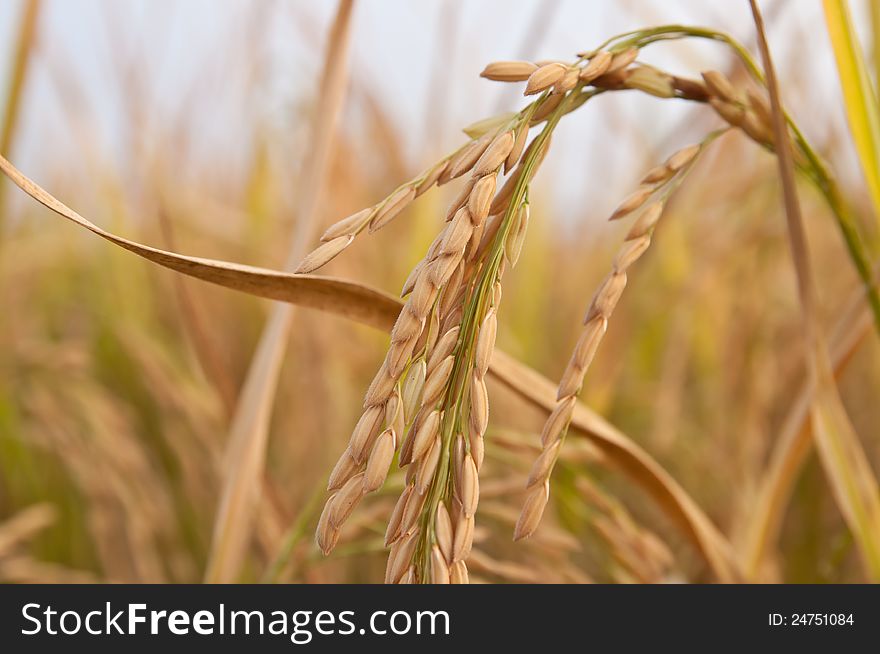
point(545, 108)
point(572, 379)
point(380, 388)
point(463, 538)
point(757, 130)
point(398, 355)
point(323, 254)
point(760, 106)
point(607, 296)
point(502, 198)
point(444, 347)
point(495, 155)
point(326, 535)
point(453, 319)
point(683, 157)
point(630, 252)
point(436, 382)
point(544, 77)
point(367, 427)
point(400, 557)
point(431, 177)
point(425, 435)
point(425, 473)
point(429, 336)
point(379, 461)
point(720, 86)
point(348, 226)
point(412, 387)
point(477, 445)
point(443, 531)
point(462, 198)
point(392, 208)
point(633, 202)
point(344, 469)
point(544, 464)
point(413, 509)
point(454, 292)
point(490, 230)
point(519, 144)
point(646, 221)
point(496, 295)
point(459, 232)
point(479, 416)
point(410, 282)
point(493, 123)
point(395, 418)
point(434, 250)
point(532, 511)
point(439, 568)
point(392, 532)
point(558, 421)
point(458, 452)
point(409, 477)
point(734, 114)
point(346, 499)
point(651, 81)
point(568, 81)
point(468, 156)
point(470, 486)
point(474, 244)
point(485, 342)
point(621, 60)
point(509, 71)
point(424, 293)
point(598, 66)
point(657, 174)
point(480, 198)
point(517, 236)
point(441, 269)
point(408, 324)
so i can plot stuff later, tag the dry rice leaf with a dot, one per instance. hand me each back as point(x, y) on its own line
point(359, 303)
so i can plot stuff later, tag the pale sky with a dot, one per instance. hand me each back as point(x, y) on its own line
point(177, 51)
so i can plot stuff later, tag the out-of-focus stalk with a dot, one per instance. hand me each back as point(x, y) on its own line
point(24, 48)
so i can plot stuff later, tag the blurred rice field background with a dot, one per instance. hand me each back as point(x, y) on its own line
point(185, 126)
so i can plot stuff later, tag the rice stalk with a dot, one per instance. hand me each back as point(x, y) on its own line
point(660, 180)
point(24, 48)
point(850, 476)
point(859, 97)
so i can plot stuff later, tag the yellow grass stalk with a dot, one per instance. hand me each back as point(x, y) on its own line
point(852, 481)
point(859, 98)
point(24, 48)
point(248, 434)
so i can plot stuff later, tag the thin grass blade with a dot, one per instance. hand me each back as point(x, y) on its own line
point(860, 99)
point(851, 479)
